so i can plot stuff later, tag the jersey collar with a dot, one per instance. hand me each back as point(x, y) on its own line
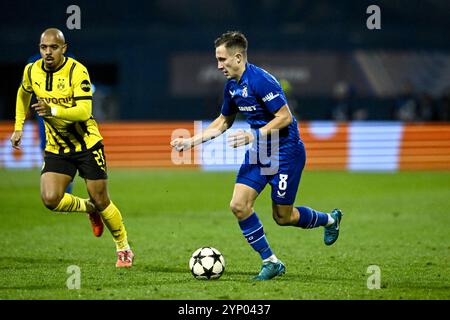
point(57, 69)
point(244, 74)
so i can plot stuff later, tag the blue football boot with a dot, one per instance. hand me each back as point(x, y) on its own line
point(270, 270)
point(332, 232)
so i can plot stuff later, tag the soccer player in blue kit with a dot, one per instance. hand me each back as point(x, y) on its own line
point(259, 97)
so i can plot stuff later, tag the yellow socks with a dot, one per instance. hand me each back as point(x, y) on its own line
point(113, 220)
point(71, 203)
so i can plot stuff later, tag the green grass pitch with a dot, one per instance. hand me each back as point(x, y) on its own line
point(396, 221)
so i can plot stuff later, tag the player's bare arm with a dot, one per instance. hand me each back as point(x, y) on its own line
point(240, 138)
point(215, 129)
point(283, 118)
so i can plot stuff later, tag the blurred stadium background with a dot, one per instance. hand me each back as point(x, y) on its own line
point(366, 99)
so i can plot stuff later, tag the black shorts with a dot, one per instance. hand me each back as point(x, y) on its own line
point(91, 164)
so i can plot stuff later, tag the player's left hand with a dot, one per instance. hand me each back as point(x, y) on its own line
point(42, 108)
point(240, 138)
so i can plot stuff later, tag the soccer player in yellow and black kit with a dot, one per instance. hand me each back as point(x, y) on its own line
point(63, 90)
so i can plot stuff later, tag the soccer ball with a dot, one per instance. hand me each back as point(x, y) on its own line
point(207, 263)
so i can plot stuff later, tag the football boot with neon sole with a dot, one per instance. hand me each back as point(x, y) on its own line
point(96, 223)
point(124, 258)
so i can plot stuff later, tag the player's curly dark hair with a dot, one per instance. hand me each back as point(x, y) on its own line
point(232, 39)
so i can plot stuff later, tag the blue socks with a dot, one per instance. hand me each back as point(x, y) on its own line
point(310, 218)
point(253, 231)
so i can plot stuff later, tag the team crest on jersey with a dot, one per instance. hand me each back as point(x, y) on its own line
point(244, 92)
point(61, 84)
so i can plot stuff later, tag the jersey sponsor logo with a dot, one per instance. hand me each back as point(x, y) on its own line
point(270, 97)
point(85, 86)
point(247, 108)
point(57, 100)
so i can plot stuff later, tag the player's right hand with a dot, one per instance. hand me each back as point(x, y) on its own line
point(42, 108)
point(181, 144)
point(16, 139)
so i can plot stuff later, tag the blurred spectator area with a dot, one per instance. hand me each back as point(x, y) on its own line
point(155, 60)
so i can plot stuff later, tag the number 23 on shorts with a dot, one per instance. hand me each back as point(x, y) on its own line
point(98, 156)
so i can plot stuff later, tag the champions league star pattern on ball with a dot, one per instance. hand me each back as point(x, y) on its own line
point(207, 263)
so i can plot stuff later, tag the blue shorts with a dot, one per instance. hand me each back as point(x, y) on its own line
point(284, 181)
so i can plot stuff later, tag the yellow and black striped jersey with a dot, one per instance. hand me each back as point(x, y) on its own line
point(67, 90)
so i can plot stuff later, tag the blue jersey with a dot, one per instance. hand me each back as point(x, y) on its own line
point(258, 95)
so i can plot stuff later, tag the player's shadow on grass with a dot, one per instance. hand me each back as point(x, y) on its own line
point(162, 269)
point(241, 273)
point(39, 287)
point(182, 269)
point(247, 276)
point(24, 262)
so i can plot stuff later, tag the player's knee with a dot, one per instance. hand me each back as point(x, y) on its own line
point(240, 209)
point(51, 199)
